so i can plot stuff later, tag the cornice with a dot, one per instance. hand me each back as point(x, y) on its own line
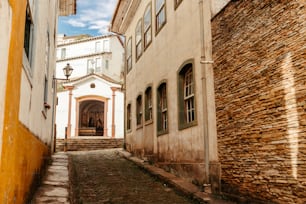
point(83, 56)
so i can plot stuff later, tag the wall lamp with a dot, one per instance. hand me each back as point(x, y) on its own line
point(67, 72)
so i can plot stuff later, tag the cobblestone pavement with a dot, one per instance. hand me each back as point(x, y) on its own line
point(105, 177)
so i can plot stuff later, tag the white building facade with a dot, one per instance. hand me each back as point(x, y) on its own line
point(91, 102)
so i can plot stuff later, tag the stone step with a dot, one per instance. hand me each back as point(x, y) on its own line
point(85, 144)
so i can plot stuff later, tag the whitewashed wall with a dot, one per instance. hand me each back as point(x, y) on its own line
point(80, 51)
point(103, 88)
point(32, 112)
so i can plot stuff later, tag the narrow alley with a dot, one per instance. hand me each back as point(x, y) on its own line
point(114, 176)
point(104, 177)
point(152, 101)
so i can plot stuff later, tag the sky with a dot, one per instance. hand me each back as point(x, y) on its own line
point(93, 17)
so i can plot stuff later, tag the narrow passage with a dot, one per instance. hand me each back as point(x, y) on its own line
point(104, 177)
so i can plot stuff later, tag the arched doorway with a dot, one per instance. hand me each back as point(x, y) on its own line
point(91, 118)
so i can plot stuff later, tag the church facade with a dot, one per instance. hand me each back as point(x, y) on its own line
point(91, 103)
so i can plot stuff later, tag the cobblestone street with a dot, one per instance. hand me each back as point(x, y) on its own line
point(105, 177)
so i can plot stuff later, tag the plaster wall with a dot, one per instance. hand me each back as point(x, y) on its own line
point(23, 148)
point(39, 67)
point(175, 43)
point(5, 35)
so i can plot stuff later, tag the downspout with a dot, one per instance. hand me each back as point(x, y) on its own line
point(124, 93)
point(212, 166)
point(53, 130)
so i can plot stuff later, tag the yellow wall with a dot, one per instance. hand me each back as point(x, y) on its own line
point(22, 153)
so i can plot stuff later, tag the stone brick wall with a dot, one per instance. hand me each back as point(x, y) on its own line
point(259, 49)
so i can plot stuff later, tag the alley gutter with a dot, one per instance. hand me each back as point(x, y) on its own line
point(186, 188)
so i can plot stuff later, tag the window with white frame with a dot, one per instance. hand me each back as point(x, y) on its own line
point(90, 66)
point(160, 8)
point(98, 65)
point(129, 55)
point(138, 39)
point(147, 26)
point(106, 45)
point(63, 53)
point(98, 46)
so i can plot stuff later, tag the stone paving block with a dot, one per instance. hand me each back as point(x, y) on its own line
point(54, 191)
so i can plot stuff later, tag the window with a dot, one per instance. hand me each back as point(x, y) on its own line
point(98, 65)
point(138, 39)
point(160, 14)
point(106, 64)
point(47, 59)
point(98, 47)
point(187, 113)
point(162, 110)
point(63, 53)
point(90, 66)
point(128, 117)
point(28, 33)
point(147, 27)
point(177, 3)
point(139, 110)
point(148, 104)
point(106, 45)
point(129, 55)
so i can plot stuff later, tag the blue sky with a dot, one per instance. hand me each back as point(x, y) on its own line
point(93, 17)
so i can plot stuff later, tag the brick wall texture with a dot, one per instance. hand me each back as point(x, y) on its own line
point(259, 49)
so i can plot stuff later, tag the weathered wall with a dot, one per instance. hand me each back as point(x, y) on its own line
point(6, 21)
point(23, 151)
point(260, 82)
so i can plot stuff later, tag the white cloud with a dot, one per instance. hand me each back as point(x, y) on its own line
point(75, 23)
point(93, 15)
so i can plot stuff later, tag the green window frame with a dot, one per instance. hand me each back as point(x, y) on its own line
point(186, 96)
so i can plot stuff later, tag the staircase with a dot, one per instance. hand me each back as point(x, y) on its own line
point(89, 143)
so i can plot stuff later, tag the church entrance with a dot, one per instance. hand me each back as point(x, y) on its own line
point(91, 118)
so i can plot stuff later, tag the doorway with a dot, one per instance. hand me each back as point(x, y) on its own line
point(91, 118)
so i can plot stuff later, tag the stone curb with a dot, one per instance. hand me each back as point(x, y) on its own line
point(184, 187)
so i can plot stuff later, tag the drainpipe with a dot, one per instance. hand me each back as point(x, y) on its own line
point(53, 130)
point(212, 166)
